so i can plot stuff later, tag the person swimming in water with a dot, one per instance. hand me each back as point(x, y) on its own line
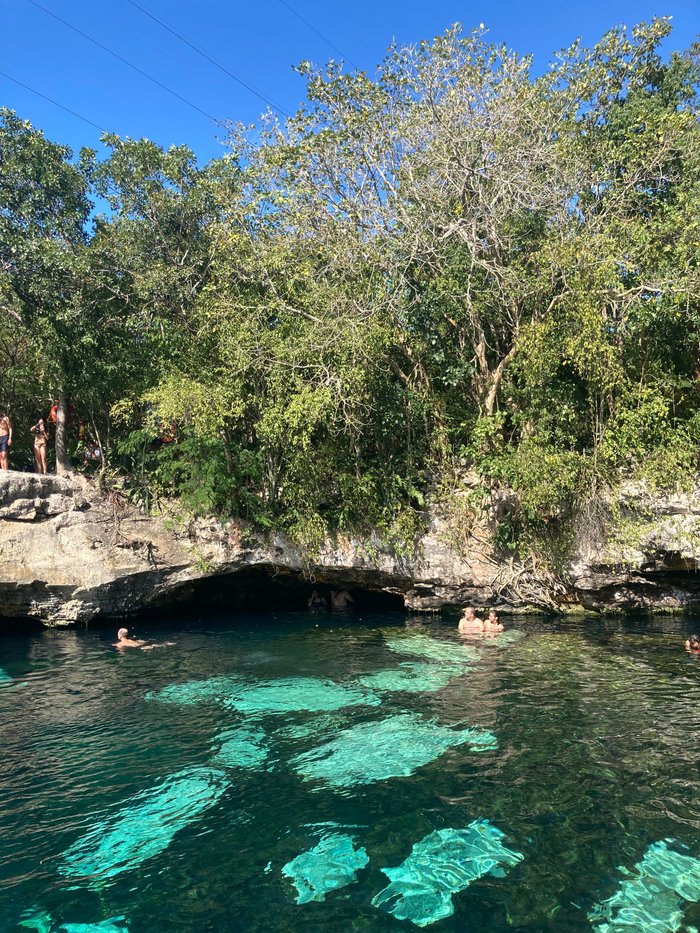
point(316, 601)
point(492, 623)
point(123, 641)
point(470, 623)
point(341, 599)
point(693, 644)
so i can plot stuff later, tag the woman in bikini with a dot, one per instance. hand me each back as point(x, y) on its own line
point(41, 439)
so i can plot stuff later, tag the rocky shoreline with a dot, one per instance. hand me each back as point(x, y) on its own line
point(69, 553)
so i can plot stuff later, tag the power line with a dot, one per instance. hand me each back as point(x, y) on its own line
point(124, 61)
point(54, 102)
point(204, 54)
point(319, 34)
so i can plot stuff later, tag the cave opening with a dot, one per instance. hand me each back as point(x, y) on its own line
point(261, 589)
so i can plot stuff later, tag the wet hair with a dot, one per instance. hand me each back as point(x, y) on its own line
point(122, 633)
point(694, 641)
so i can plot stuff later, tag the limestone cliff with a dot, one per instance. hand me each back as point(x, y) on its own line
point(69, 553)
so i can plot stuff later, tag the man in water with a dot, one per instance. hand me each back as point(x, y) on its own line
point(470, 623)
point(340, 599)
point(5, 440)
point(123, 640)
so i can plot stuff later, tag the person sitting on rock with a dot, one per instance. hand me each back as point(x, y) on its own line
point(341, 599)
point(470, 623)
point(693, 644)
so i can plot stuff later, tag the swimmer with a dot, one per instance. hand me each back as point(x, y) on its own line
point(492, 623)
point(316, 601)
point(470, 623)
point(693, 644)
point(123, 640)
point(341, 599)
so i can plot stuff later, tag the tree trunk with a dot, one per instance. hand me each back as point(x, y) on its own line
point(494, 384)
point(63, 466)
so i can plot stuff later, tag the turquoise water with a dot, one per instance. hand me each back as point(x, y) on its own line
point(371, 772)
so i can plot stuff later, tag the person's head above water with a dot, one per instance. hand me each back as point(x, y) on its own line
point(693, 642)
point(469, 613)
point(122, 633)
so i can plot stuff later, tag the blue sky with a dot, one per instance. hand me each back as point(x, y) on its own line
point(260, 41)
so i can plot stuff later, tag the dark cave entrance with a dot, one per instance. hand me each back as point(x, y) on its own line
point(263, 589)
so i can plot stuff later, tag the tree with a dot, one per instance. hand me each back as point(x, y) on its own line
point(44, 212)
point(148, 260)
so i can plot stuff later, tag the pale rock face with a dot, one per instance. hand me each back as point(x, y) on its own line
point(68, 554)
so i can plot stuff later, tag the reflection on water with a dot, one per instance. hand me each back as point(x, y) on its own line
point(197, 812)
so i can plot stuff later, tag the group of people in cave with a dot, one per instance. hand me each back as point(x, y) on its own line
point(337, 599)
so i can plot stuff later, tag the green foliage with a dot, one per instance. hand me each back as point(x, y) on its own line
point(453, 263)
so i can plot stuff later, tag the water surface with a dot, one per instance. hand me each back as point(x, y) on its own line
point(171, 788)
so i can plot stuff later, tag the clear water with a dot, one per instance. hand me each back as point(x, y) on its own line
point(280, 773)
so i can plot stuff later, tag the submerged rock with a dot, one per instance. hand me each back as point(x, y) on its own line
point(286, 695)
point(433, 648)
point(298, 693)
point(651, 899)
point(42, 922)
point(330, 865)
point(211, 690)
point(144, 827)
point(376, 751)
point(243, 747)
point(445, 862)
point(413, 677)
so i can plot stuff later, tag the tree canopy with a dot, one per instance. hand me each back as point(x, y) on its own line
point(455, 264)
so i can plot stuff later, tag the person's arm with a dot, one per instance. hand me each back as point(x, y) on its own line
point(9, 428)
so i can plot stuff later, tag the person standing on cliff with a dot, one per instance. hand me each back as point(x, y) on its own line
point(5, 440)
point(41, 440)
